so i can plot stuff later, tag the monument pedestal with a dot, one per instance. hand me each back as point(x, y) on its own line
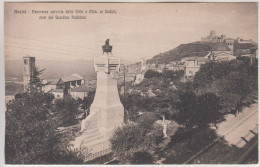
point(106, 111)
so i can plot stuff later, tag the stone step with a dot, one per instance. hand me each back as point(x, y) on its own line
point(90, 141)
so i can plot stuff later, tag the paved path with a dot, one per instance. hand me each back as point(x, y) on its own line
point(240, 129)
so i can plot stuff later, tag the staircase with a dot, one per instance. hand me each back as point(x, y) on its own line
point(92, 144)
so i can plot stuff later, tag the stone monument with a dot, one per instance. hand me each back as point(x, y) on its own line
point(106, 111)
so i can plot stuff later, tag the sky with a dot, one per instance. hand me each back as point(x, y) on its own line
point(136, 31)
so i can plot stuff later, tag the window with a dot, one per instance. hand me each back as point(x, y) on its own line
point(25, 61)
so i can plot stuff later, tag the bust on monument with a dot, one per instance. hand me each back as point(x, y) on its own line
point(107, 48)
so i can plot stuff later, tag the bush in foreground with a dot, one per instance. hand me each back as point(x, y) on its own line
point(133, 139)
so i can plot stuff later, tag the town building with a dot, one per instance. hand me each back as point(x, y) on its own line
point(230, 43)
point(192, 65)
point(74, 84)
point(50, 84)
point(80, 92)
point(245, 48)
point(58, 93)
point(140, 76)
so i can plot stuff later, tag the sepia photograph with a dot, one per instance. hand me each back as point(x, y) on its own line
point(130, 83)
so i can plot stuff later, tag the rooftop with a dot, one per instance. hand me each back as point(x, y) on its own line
point(51, 81)
point(73, 77)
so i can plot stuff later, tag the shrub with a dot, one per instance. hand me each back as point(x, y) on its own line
point(132, 138)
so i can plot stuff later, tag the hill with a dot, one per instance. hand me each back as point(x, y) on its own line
point(198, 48)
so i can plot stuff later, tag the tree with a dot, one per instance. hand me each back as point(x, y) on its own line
point(198, 111)
point(208, 110)
point(233, 82)
point(152, 73)
point(31, 135)
point(186, 107)
point(87, 101)
point(132, 138)
point(35, 83)
point(66, 110)
point(173, 75)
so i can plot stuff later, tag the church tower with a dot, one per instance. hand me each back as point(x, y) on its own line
point(106, 111)
point(28, 70)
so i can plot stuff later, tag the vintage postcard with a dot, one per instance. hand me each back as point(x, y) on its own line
point(131, 83)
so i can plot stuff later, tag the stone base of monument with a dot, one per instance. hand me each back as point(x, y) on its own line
point(93, 140)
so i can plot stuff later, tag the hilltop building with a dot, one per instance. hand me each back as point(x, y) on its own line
point(28, 70)
point(230, 43)
point(213, 37)
point(245, 48)
point(237, 46)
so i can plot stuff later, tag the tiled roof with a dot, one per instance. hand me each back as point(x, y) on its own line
point(72, 78)
point(51, 81)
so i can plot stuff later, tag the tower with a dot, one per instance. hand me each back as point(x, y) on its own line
point(212, 34)
point(28, 70)
point(143, 65)
point(230, 43)
point(106, 111)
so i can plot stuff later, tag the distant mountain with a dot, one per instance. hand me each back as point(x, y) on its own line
point(53, 69)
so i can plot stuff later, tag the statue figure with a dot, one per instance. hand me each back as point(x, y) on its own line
point(107, 48)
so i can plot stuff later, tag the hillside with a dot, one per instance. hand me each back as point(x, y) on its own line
point(198, 48)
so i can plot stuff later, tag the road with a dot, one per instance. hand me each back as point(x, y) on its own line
point(239, 130)
point(240, 140)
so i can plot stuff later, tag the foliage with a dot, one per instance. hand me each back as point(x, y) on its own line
point(234, 82)
point(31, 132)
point(132, 138)
point(142, 157)
point(87, 101)
point(35, 83)
point(198, 111)
point(67, 110)
point(151, 74)
point(173, 75)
